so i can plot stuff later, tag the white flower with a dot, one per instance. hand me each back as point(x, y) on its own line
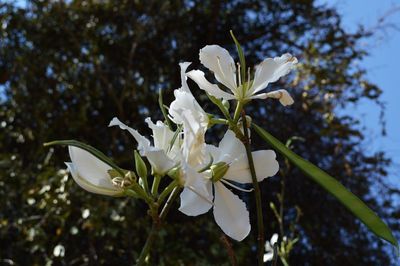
point(91, 174)
point(218, 60)
point(185, 101)
point(229, 210)
point(269, 248)
point(186, 111)
point(161, 156)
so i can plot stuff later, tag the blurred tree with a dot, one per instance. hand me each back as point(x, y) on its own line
point(68, 67)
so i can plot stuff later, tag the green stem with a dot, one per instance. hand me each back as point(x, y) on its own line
point(238, 110)
point(257, 193)
point(155, 226)
point(167, 191)
point(149, 242)
point(140, 192)
point(156, 183)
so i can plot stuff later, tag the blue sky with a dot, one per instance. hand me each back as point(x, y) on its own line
point(383, 69)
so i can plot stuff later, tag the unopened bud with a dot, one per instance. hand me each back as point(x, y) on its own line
point(141, 168)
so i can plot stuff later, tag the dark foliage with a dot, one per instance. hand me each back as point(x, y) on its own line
point(68, 67)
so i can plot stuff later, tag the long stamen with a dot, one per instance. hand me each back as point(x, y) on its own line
point(236, 187)
point(248, 81)
point(239, 75)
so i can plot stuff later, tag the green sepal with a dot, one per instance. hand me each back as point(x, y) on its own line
point(95, 152)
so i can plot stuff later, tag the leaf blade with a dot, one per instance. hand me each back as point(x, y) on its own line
point(334, 187)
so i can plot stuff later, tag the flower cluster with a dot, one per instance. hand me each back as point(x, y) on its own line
point(207, 174)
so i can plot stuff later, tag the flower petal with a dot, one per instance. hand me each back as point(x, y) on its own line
point(86, 185)
point(162, 135)
point(274, 239)
point(156, 156)
point(160, 162)
point(265, 164)
point(212, 89)
point(196, 197)
point(230, 213)
point(270, 70)
point(143, 143)
point(90, 173)
point(230, 147)
point(268, 256)
point(282, 95)
point(184, 67)
point(218, 60)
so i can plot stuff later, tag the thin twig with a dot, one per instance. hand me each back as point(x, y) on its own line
point(229, 249)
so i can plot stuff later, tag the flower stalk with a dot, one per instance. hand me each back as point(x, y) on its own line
point(257, 192)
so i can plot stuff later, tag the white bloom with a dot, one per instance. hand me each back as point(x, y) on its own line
point(229, 210)
point(161, 156)
point(218, 60)
point(269, 248)
point(90, 173)
point(185, 101)
point(186, 111)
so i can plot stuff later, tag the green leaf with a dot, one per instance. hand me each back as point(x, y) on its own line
point(241, 58)
point(95, 152)
point(163, 110)
point(348, 199)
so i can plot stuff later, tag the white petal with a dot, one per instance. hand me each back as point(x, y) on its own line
point(143, 143)
point(88, 171)
point(162, 135)
point(218, 60)
point(160, 162)
point(184, 100)
point(265, 164)
point(268, 256)
point(212, 89)
point(183, 67)
point(274, 239)
point(156, 156)
point(86, 185)
point(282, 95)
point(230, 213)
point(270, 70)
point(230, 147)
point(193, 147)
point(196, 197)
point(213, 151)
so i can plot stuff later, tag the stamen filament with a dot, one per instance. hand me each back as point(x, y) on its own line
point(236, 187)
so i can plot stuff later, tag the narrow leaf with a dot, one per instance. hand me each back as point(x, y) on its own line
point(348, 199)
point(163, 110)
point(95, 152)
point(241, 58)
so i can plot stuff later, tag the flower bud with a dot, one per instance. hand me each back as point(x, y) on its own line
point(141, 168)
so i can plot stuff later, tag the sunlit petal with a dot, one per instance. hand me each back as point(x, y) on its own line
point(270, 70)
point(230, 213)
point(265, 164)
point(212, 89)
point(218, 60)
